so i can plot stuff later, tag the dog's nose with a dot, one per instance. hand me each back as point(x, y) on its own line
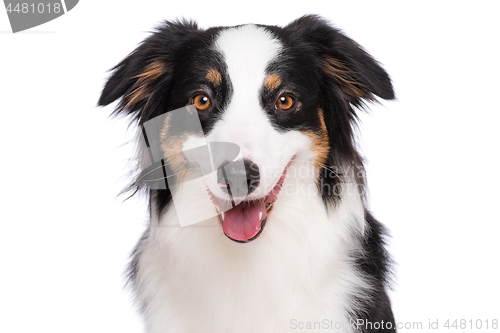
point(240, 179)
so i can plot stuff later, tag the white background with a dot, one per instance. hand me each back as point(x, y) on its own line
point(432, 156)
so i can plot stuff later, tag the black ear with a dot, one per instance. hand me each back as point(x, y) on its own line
point(358, 75)
point(134, 78)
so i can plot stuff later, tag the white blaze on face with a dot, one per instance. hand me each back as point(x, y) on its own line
point(247, 51)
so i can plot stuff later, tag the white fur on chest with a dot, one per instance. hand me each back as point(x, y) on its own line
point(194, 279)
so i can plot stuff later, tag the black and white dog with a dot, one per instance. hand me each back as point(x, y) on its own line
point(294, 247)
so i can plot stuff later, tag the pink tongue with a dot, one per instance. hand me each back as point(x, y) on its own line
point(242, 222)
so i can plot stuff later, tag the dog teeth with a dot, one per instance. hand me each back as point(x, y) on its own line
point(260, 216)
point(269, 207)
point(222, 215)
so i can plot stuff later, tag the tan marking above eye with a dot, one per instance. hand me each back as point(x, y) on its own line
point(202, 102)
point(285, 102)
point(214, 76)
point(272, 81)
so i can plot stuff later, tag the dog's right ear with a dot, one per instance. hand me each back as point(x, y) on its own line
point(134, 79)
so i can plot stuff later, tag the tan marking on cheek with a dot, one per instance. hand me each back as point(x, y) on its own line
point(171, 146)
point(344, 77)
point(214, 76)
point(320, 143)
point(142, 88)
point(272, 81)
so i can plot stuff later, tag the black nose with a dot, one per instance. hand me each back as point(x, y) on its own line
point(241, 178)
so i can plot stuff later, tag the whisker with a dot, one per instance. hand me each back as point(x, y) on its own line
point(338, 175)
point(157, 168)
point(161, 178)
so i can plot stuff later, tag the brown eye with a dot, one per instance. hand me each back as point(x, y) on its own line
point(202, 102)
point(285, 102)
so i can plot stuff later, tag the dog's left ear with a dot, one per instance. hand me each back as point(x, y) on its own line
point(357, 74)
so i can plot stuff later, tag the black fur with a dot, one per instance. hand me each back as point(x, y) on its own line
point(376, 263)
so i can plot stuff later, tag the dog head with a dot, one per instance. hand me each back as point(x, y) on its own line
point(284, 97)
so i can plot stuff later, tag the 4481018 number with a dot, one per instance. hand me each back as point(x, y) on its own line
point(478, 324)
point(33, 8)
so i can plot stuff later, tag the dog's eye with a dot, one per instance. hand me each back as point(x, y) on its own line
point(285, 102)
point(202, 102)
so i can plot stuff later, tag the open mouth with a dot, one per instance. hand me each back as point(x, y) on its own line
point(245, 221)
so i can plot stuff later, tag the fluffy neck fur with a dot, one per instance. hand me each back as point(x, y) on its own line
point(194, 279)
